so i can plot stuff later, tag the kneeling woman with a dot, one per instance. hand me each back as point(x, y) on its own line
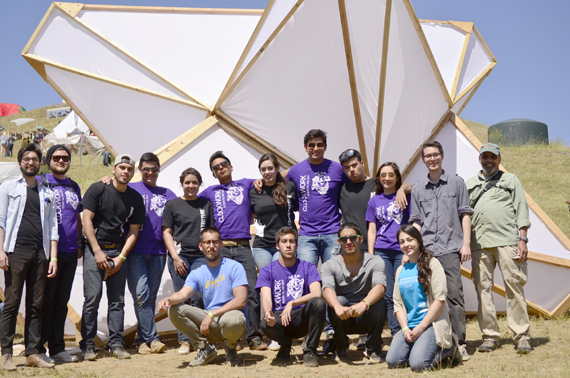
point(420, 291)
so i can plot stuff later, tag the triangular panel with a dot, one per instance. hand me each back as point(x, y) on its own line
point(475, 62)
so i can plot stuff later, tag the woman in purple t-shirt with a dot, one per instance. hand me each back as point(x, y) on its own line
point(384, 218)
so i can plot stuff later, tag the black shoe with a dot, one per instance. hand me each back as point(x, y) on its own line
point(284, 355)
point(310, 359)
point(328, 347)
point(89, 355)
point(205, 355)
point(231, 357)
point(258, 344)
point(377, 357)
point(341, 354)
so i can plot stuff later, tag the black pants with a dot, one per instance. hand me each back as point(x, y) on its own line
point(26, 264)
point(54, 306)
point(308, 320)
point(371, 322)
point(451, 264)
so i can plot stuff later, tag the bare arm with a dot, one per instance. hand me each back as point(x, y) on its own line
point(267, 305)
point(52, 267)
point(239, 301)
point(3, 256)
point(179, 264)
point(371, 237)
point(341, 311)
point(373, 296)
point(401, 200)
point(432, 314)
point(129, 244)
point(466, 248)
point(314, 292)
point(100, 257)
point(180, 296)
point(522, 249)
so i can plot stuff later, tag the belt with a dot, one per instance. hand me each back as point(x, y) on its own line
point(110, 246)
point(235, 242)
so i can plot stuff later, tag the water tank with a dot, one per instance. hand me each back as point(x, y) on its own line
point(515, 132)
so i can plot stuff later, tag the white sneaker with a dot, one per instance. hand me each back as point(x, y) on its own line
point(184, 348)
point(464, 353)
point(274, 345)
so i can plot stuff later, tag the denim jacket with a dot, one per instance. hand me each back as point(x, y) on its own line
point(13, 196)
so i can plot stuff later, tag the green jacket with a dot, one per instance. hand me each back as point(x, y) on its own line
point(499, 213)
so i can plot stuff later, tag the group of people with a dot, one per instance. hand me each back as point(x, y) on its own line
point(389, 251)
point(7, 144)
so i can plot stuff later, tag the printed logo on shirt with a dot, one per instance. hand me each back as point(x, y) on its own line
point(122, 227)
point(157, 204)
point(235, 194)
point(320, 183)
point(57, 194)
point(216, 282)
point(304, 190)
point(71, 198)
point(278, 296)
point(384, 216)
point(202, 219)
point(219, 205)
point(295, 286)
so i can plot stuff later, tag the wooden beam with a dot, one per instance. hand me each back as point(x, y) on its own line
point(38, 66)
point(71, 9)
point(562, 308)
point(353, 86)
point(381, 94)
point(476, 88)
point(484, 44)
point(124, 8)
point(38, 29)
point(130, 332)
point(547, 259)
point(459, 67)
point(465, 26)
point(480, 77)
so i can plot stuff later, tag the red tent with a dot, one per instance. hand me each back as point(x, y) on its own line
point(9, 109)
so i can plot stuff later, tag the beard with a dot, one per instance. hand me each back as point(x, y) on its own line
point(212, 258)
point(29, 172)
point(489, 171)
point(59, 170)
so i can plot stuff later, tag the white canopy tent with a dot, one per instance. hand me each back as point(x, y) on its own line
point(22, 121)
point(366, 71)
point(70, 124)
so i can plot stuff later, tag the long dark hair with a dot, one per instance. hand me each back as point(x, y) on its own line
point(424, 271)
point(379, 187)
point(280, 190)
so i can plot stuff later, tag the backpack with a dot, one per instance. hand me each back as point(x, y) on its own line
point(50, 185)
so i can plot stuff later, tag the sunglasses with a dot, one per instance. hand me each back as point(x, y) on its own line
point(65, 159)
point(346, 155)
point(151, 169)
point(352, 238)
point(223, 164)
point(313, 145)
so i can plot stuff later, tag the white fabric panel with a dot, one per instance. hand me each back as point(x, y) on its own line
point(366, 29)
point(547, 284)
point(543, 241)
point(475, 61)
point(244, 160)
point(127, 119)
point(85, 51)
point(414, 101)
point(470, 295)
point(300, 82)
point(277, 13)
point(459, 104)
point(446, 43)
point(197, 52)
point(70, 123)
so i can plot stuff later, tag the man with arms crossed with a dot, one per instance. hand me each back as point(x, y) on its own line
point(232, 213)
point(28, 238)
point(440, 210)
point(500, 224)
point(106, 210)
point(291, 299)
point(354, 284)
point(223, 285)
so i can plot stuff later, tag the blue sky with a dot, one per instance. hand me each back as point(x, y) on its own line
point(527, 37)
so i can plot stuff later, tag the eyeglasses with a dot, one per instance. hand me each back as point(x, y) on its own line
point(352, 238)
point(58, 158)
point(223, 164)
point(313, 145)
point(346, 155)
point(434, 155)
point(213, 242)
point(151, 169)
point(488, 156)
point(388, 175)
point(32, 159)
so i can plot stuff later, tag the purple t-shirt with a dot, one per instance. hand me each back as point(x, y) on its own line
point(383, 211)
point(231, 207)
point(150, 241)
point(287, 284)
point(68, 205)
point(318, 192)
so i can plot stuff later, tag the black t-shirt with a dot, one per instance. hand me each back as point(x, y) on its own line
point(113, 209)
point(353, 204)
point(270, 217)
point(30, 231)
point(187, 219)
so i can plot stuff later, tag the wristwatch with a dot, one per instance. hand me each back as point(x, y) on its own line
point(524, 239)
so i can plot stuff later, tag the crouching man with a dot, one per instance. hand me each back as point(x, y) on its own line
point(223, 285)
point(291, 300)
point(354, 284)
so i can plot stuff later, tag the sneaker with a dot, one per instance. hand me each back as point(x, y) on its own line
point(274, 345)
point(377, 357)
point(205, 355)
point(63, 357)
point(231, 357)
point(341, 354)
point(257, 344)
point(7, 363)
point(304, 346)
point(34, 360)
point(157, 346)
point(47, 358)
point(120, 353)
point(284, 355)
point(361, 344)
point(143, 349)
point(488, 345)
point(310, 359)
point(184, 348)
point(89, 355)
point(464, 355)
point(524, 347)
point(329, 346)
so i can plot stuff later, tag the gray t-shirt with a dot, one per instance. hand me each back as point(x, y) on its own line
point(372, 272)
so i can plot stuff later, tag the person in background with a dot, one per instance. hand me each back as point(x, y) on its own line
point(3, 144)
point(11, 141)
point(183, 220)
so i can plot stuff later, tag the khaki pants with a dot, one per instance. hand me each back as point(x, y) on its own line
point(227, 328)
point(515, 276)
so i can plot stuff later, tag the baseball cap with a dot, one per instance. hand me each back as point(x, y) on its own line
point(490, 147)
point(124, 158)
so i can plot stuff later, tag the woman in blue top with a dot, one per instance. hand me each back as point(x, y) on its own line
point(384, 217)
point(420, 292)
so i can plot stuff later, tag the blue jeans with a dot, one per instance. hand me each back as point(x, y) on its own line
point(92, 292)
point(178, 283)
point(392, 260)
point(144, 277)
point(264, 256)
point(310, 248)
point(420, 355)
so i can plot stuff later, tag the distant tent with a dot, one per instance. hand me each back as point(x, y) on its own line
point(9, 109)
point(69, 125)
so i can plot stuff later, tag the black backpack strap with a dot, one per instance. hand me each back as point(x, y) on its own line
point(489, 185)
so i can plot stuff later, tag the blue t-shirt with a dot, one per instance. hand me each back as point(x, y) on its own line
point(413, 294)
point(382, 210)
point(217, 284)
point(287, 284)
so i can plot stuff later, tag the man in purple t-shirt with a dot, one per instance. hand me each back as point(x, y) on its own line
point(58, 289)
point(291, 299)
point(232, 214)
